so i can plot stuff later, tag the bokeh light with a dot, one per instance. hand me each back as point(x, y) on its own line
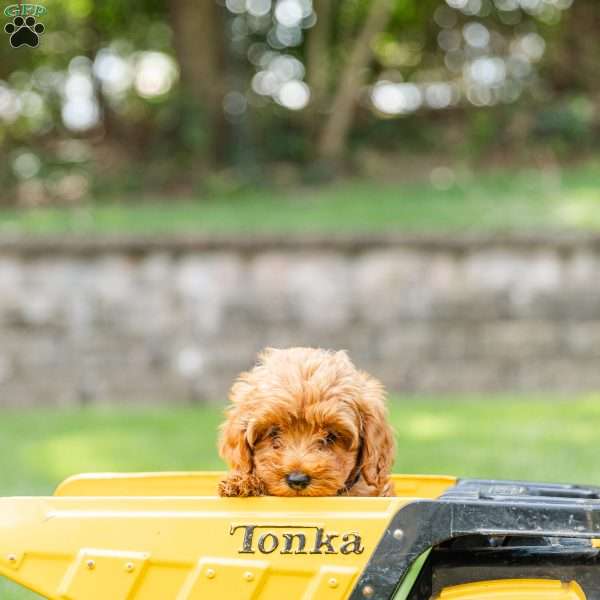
point(259, 8)
point(10, 104)
point(115, 72)
point(396, 98)
point(289, 13)
point(294, 95)
point(156, 72)
point(26, 165)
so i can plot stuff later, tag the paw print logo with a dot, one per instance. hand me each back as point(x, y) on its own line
point(24, 32)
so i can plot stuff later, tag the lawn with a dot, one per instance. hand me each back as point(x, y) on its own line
point(494, 201)
point(529, 438)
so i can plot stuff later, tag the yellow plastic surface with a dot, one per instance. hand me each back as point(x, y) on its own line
point(514, 589)
point(204, 483)
point(163, 537)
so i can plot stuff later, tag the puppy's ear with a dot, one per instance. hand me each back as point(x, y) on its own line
point(234, 447)
point(378, 448)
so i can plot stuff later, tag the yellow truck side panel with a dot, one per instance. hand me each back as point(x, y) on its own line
point(153, 548)
point(165, 536)
point(204, 483)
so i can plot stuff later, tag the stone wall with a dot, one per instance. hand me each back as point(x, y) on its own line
point(138, 320)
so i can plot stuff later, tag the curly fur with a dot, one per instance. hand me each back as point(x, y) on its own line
point(307, 410)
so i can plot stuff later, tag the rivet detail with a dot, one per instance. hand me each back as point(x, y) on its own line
point(248, 576)
point(332, 583)
point(368, 591)
point(210, 573)
point(129, 567)
point(91, 565)
point(398, 534)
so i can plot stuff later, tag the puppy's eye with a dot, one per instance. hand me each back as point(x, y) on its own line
point(273, 435)
point(330, 439)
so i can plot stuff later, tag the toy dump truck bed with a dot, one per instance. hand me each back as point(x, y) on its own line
point(166, 536)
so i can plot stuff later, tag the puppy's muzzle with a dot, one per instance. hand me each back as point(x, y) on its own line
point(298, 480)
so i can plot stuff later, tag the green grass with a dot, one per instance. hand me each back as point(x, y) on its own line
point(497, 201)
point(503, 437)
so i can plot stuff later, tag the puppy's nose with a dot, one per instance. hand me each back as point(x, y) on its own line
point(298, 480)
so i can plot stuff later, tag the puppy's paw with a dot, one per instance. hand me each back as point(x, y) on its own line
point(237, 485)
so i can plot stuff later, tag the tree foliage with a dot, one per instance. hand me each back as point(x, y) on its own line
point(190, 87)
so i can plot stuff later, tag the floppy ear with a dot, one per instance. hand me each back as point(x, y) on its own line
point(378, 447)
point(236, 450)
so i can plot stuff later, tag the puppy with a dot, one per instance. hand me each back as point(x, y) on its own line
point(306, 422)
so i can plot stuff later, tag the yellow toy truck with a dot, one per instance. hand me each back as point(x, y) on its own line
point(168, 537)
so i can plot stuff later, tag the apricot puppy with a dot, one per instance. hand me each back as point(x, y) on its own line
point(306, 422)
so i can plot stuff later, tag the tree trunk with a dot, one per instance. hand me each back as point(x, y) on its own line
point(199, 38)
point(571, 64)
point(317, 57)
point(335, 131)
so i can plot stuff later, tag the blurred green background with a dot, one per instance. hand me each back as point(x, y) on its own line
point(223, 101)
point(496, 436)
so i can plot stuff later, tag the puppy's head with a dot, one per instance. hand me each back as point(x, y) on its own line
point(306, 422)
